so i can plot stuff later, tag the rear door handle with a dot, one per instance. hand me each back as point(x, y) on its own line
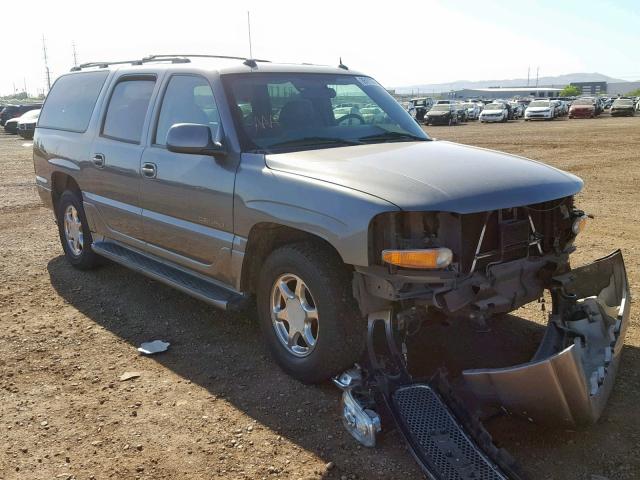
point(98, 160)
point(148, 170)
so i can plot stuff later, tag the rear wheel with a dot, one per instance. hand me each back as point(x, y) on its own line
point(75, 235)
point(307, 313)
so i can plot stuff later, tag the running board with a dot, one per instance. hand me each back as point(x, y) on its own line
point(193, 285)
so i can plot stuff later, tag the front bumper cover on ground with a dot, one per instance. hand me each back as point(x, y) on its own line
point(570, 377)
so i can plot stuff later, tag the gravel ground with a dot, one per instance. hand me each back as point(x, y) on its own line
point(215, 405)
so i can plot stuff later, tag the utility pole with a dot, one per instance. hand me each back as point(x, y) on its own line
point(24, 80)
point(528, 74)
point(46, 64)
point(537, 71)
point(75, 54)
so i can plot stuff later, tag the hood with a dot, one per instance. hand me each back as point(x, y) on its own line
point(432, 175)
point(538, 109)
point(438, 112)
point(493, 110)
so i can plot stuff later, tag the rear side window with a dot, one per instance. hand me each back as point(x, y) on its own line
point(71, 101)
point(127, 109)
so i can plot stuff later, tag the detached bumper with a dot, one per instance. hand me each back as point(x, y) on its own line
point(570, 377)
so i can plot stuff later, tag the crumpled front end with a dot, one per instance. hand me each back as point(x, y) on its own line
point(569, 379)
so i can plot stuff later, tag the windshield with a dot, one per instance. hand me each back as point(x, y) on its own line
point(623, 102)
point(295, 111)
point(440, 108)
point(539, 103)
point(494, 106)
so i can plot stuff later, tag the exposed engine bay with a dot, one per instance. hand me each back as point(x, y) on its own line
point(500, 260)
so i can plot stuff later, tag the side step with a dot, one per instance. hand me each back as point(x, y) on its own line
point(193, 285)
point(437, 439)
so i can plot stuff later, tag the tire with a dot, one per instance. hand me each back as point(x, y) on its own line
point(83, 258)
point(340, 332)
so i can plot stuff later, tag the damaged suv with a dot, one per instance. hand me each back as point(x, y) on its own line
point(229, 179)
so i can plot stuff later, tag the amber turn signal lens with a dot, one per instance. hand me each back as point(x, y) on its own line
point(579, 224)
point(424, 258)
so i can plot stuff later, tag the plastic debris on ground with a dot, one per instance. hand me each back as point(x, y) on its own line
point(157, 346)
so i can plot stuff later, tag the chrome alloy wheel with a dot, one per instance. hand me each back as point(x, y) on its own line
point(294, 315)
point(73, 231)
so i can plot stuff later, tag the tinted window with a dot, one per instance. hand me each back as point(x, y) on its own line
point(127, 109)
point(70, 103)
point(188, 99)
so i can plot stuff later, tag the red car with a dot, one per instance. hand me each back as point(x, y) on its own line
point(582, 108)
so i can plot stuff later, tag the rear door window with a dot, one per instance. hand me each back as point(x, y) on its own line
point(70, 103)
point(127, 109)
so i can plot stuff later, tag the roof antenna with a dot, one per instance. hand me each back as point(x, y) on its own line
point(250, 62)
point(342, 65)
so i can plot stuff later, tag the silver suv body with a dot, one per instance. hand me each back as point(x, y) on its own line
point(240, 180)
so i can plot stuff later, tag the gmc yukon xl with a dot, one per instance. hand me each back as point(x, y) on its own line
point(231, 179)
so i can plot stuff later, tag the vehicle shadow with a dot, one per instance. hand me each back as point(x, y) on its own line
point(223, 353)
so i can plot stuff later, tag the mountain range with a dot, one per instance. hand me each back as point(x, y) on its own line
point(558, 81)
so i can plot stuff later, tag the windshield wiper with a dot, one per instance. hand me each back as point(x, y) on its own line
point(314, 141)
point(391, 135)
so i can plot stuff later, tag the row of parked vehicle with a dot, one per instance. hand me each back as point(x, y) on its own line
point(20, 119)
point(451, 112)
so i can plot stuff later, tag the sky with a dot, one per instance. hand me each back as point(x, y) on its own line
point(398, 43)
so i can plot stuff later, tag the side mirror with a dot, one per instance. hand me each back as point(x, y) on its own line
point(194, 138)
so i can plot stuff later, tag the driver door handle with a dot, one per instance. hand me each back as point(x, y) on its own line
point(98, 160)
point(148, 170)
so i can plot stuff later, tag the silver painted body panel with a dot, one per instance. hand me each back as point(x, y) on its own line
point(436, 175)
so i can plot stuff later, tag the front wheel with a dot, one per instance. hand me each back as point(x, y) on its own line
point(307, 313)
point(75, 235)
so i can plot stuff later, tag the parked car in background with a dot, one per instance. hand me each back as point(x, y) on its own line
point(14, 111)
point(443, 114)
point(494, 112)
point(462, 111)
point(517, 110)
point(11, 125)
point(473, 110)
point(540, 110)
point(622, 107)
point(418, 107)
point(372, 115)
point(563, 107)
point(583, 107)
point(27, 123)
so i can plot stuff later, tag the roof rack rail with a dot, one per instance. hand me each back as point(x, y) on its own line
point(251, 62)
point(77, 68)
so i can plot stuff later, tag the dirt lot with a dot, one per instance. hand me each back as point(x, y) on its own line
point(215, 405)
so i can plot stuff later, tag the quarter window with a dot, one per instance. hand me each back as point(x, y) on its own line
point(71, 101)
point(188, 99)
point(127, 109)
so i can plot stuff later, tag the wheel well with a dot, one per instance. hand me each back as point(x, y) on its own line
point(263, 239)
point(60, 182)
